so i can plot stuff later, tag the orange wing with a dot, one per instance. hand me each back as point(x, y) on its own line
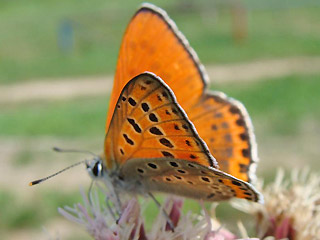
point(153, 43)
point(223, 123)
point(149, 123)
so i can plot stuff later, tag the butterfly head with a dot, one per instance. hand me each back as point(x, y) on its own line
point(95, 167)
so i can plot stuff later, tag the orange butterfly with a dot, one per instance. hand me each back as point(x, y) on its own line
point(159, 133)
point(150, 143)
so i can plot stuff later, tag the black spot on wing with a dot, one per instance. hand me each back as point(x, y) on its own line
point(142, 88)
point(191, 165)
point(243, 168)
point(145, 107)
point(152, 165)
point(205, 179)
point(166, 142)
point(245, 152)
point(140, 170)
point(236, 183)
point(174, 111)
point(173, 164)
point(134, 125)
point(164, 94)
point(128, 140)
point(244, 136)
point(148, 82)
point(168, 179)
point(155, 131)
point(240, 122)
point(234, 110)
point(132, 101)
point(153, 117)
point(167, 154)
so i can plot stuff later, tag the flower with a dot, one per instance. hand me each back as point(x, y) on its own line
point(100, 221)
point(291, 208)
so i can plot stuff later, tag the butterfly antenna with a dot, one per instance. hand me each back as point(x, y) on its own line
point(55, 174)
point(57, 149)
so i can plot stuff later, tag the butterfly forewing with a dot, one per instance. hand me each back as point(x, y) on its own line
point(153, 43)
point(149, 123)
point(224, 125)
point(187, 179)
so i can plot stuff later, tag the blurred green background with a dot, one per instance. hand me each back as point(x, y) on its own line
point(54, 41)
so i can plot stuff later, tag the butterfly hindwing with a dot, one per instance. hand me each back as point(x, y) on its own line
point(187, 179)
point(149, 123)
point(223, 123)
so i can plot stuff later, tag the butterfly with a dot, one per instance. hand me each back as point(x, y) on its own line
point(164, 127)
point(165, 132)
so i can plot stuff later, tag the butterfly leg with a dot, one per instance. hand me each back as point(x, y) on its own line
point(169, 222)
point(107, 201)
point(89, 192)
point(111, 210)
point(118, 203)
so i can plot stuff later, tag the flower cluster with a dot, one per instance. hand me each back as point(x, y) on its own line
point(100, 222)
point(292, 207)
point(291, 211)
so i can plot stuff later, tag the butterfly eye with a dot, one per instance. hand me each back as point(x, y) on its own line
point(96, 169)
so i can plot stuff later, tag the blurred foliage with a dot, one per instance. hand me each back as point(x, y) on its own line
point(23, 158)
point(27, 213)
point(283, 103)
point(30, 33)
